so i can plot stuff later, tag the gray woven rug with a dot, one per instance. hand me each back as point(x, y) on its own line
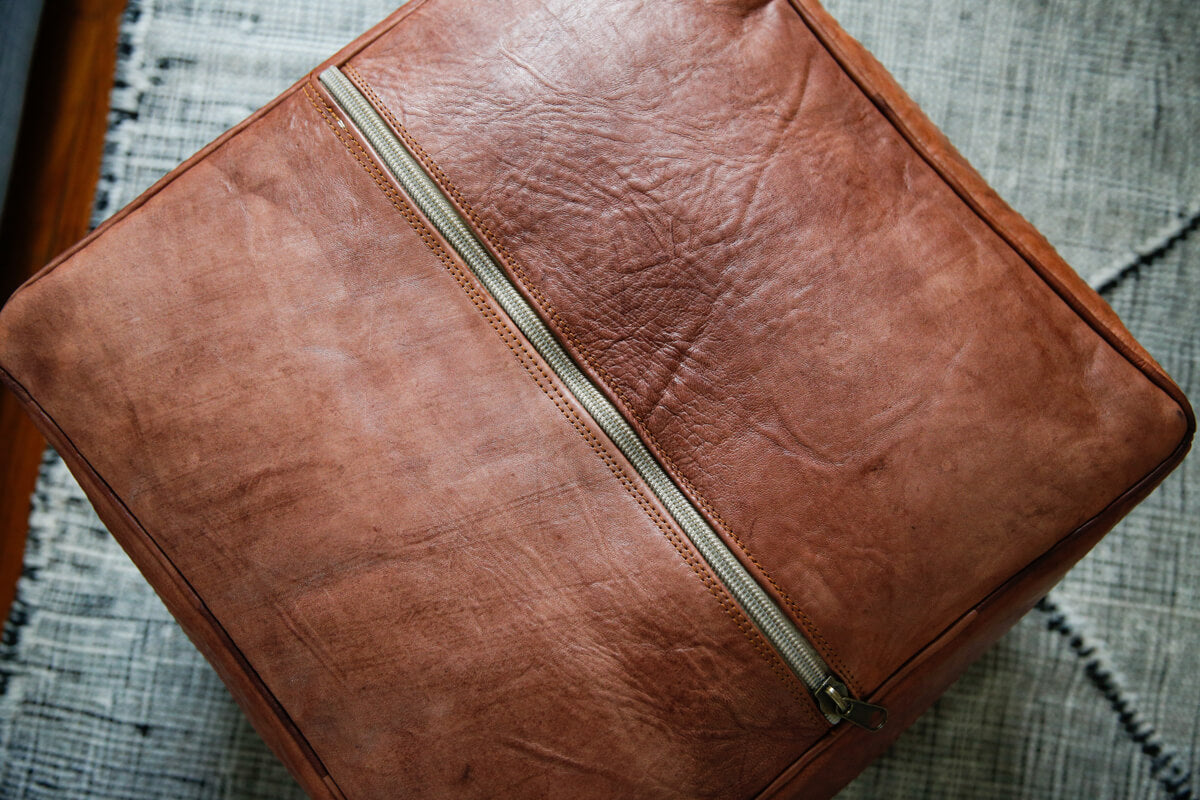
point(1084, 115)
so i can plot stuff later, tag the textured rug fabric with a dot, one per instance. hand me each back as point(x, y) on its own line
point(1083, 114)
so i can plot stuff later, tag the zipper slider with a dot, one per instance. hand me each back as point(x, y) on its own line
point(835, 699)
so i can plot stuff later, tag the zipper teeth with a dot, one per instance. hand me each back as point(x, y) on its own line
point(797, 653)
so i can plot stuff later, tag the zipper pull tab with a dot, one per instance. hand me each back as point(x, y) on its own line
point(834, 698)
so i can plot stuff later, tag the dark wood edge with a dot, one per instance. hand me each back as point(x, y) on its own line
point(50, 201)
point(48, 208)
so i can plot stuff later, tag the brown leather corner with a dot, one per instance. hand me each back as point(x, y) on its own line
point(440, 601)
point(201, 626)
point(845, 751)
point(928, 140)
point(377, 30)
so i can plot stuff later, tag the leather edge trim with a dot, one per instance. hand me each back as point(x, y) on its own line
point(202, 627)
point(927, 140)
point(894, 104)
point(979, 620)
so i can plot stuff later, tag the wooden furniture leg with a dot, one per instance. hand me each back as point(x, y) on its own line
point(48, 208)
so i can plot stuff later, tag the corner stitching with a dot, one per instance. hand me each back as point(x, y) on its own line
point(289, 726)
point(154, 190)
point(1158, 378)
point(1152, 477)
point(401, 14)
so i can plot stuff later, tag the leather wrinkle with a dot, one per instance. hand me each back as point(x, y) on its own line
point(549, 387)
point(525, 180)
point(673, 671)
point(657, 255)
point(560, 326)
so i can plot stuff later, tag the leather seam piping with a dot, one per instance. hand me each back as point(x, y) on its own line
point(210, 618)
point(914, 140)
point(551, 390)
point(920, 146)
point(1065, 295)
point(1143, 486)
point(559, 325)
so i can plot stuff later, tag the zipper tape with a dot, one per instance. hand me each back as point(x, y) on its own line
point(795, 650)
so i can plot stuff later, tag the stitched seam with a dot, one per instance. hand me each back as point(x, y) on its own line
point(999, 595)
point(948, 170)
point(565, 329)
point(64, 444)
point(518, 349)
point(551, 390)
point(401, 14)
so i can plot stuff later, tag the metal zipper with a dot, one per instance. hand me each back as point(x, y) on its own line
point(830, 693)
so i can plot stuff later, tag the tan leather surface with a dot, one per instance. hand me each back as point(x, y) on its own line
point(415, 561)
point(845, 751)
point(209, 636)
point(874, 395)
point(449, 591)
point(932, 145)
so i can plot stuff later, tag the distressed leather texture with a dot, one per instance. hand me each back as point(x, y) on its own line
point(419, 565)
